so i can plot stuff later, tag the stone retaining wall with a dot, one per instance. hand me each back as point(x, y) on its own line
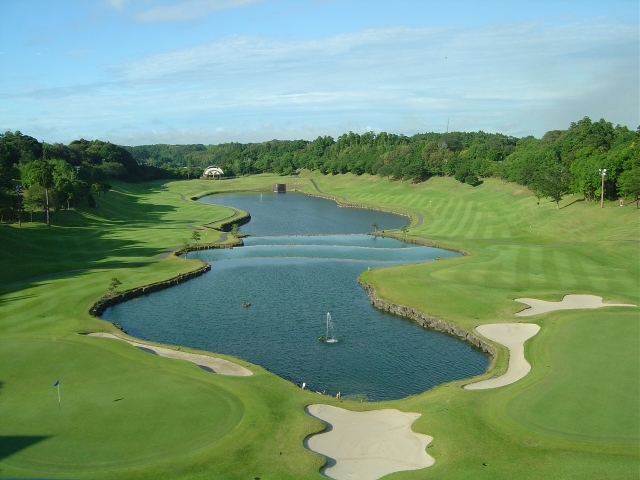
point(427, 321)
point(356, 205)
point(111, 300)
point(222, 192)
point(418, 241)
point(226, 226)
point(209, 246)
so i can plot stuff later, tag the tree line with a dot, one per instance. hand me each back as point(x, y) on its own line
point(561, 162)
point(37, 176)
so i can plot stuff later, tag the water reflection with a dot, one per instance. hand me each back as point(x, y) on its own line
point(291, 284)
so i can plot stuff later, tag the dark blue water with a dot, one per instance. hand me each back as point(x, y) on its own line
point(299, 214)
point(291, 283)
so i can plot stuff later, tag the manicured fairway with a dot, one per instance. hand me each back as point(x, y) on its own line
point(128, 414)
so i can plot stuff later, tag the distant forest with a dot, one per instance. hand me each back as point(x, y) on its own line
point(561, 162)
point(40, 176)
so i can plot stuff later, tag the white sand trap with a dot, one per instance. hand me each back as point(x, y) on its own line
point(368, 445)
point(218, 365)
point(512, 336)
point(569, 302)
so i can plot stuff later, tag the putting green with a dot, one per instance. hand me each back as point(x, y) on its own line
point(591, 357)
point(108, 418)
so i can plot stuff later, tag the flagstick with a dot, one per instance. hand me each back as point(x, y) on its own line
point(58, 395)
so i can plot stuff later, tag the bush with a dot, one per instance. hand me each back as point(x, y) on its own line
point(471, 180)
point(91, 201)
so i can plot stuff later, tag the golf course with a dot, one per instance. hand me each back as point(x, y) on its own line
point(124, 413)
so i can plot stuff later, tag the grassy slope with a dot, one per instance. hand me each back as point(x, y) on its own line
point(174, 419)
point(577, 411)
point(519, 249)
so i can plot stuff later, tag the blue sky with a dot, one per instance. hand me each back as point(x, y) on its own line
point(211, 71)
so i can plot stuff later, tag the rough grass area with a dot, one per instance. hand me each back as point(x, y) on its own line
point(128, 414)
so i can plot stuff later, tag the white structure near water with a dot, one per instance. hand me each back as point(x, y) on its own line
point(212, 172)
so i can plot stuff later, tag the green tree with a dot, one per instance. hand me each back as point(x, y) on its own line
point(629, 184)
point(7, 202)
point(100, 187)
point(115, 283)
point(196, 236)
point(536, 189)
point(33, 199)
point(471, 180)
point(375, 226)
point(105, 187)
point(235, 228)
point(554, 182)
point(110, 170)
point(40, 172)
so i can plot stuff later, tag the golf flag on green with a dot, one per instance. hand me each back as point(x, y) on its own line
point(57, 384)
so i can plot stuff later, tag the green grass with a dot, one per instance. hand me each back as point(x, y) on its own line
point(574, 416)
point(567, 403)
point(99, 392)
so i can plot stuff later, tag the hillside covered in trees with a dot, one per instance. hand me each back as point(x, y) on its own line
point(40, 176)
point(561, 162)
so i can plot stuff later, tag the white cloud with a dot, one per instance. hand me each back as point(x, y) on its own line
point(176, 11)
point(119, 4)
point(482, 68)
point(518, 79)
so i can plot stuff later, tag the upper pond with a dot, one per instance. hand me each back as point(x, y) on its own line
point(292, 282)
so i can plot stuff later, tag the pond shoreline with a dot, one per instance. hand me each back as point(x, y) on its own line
point(427, 321)
point(240, 216)
point(113, 299)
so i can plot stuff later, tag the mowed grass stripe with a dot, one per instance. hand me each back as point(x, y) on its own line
point(524, 278)
point(562, 269)
point(487, 232)
point(442, 215)
point(575, 263)
point(422, 202)
point(475, 224)
point(463, 223)
point(537, 254)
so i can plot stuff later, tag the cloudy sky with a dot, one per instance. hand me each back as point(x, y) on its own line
point(210, 71)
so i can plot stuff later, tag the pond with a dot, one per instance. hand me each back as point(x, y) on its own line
point(292, 282)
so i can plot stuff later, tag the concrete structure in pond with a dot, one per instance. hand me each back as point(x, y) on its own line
point(212, 172)
point(280, 188)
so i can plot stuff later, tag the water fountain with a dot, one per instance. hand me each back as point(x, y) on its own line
point(328, 336)
point(260, 197)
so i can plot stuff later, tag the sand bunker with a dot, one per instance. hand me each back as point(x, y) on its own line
point(368, 445)
point(217, 365)
point(512, 336)
point(569, 302)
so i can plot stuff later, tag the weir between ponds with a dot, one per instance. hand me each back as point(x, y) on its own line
point(290, 283)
